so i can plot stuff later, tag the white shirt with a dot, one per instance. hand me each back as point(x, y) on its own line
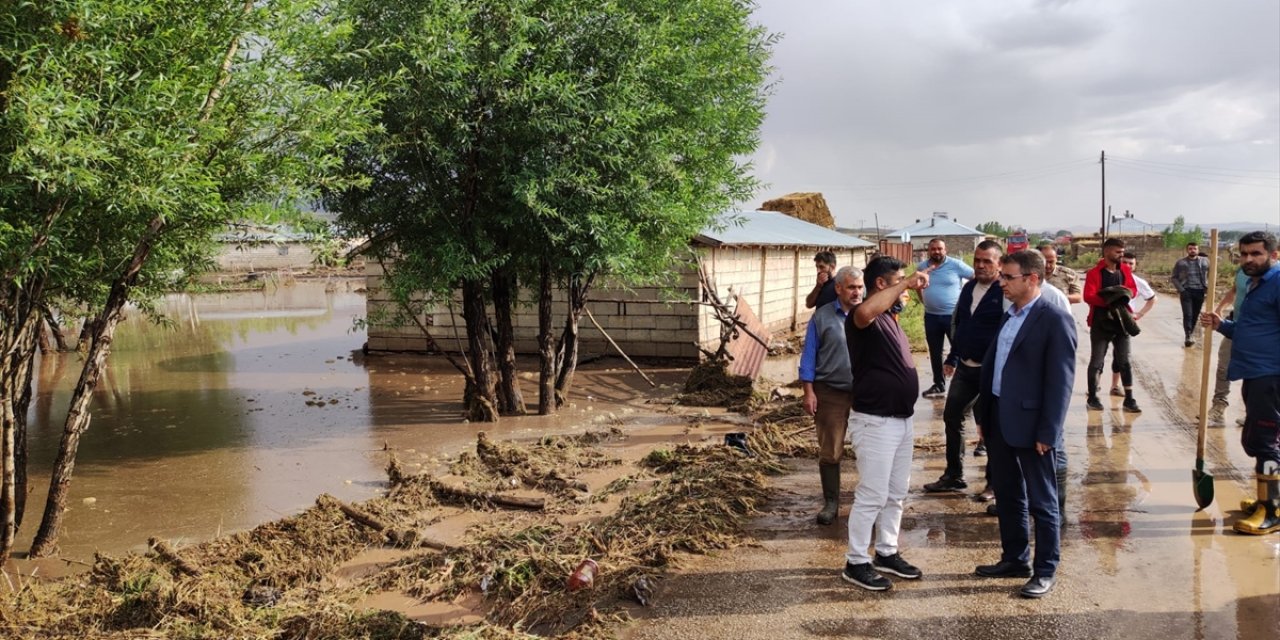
point(1055, 297)
point(1145, 293)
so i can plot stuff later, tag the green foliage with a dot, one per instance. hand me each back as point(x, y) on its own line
point(993, 228)
point(597, 136)
point(116, 114)
point(1176, 235)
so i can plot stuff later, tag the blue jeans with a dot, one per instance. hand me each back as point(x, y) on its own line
point(936, 327)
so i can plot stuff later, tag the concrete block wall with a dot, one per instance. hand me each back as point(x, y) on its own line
point(645, 322)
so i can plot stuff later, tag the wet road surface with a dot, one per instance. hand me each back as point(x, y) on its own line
point(1138, 561)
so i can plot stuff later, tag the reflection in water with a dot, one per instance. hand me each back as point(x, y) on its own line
point(1109, 494)
point(198, 423)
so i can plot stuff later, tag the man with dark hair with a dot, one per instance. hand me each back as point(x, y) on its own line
point(1139, 306)
point(1105, 328)
point(1190, 279)
point(824, 290)
point(946, 275)
point(975, 325)
point(825, 374)
point(1064, 278)
point(884, 396)
point(1254, 335)
point(1025, 391)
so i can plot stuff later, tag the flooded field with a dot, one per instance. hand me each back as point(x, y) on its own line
point(243, 407)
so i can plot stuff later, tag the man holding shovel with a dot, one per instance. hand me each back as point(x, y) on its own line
point(1255, 336)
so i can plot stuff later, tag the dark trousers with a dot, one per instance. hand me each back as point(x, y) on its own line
point(960, 398)
point(936, 327)
point(1192, 301)
point(1099, 339)
point(1261, 437)
point(1025, 483)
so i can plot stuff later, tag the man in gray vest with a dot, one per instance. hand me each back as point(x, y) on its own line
point(825, 373)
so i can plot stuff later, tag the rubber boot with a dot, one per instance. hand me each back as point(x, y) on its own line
point(1092, 402)
point(830, 474)
point(1265, 517)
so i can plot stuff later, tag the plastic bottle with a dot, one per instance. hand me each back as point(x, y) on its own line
point(584, 575)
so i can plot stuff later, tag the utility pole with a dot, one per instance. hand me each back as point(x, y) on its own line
point(1102, 162)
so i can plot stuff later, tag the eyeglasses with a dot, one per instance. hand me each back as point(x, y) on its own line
point(1006, 277)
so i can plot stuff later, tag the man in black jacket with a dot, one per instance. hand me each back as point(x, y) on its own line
point(974, 326)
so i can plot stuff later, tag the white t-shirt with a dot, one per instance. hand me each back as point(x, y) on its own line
point(1145, 293)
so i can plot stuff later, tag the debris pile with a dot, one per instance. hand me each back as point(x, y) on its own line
point(710, 385)
point(276, 581)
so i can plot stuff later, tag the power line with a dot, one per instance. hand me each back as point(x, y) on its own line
point(1191, 176)
point(1270, 172)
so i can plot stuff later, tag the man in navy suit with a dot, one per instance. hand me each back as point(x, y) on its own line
point(1027, 376)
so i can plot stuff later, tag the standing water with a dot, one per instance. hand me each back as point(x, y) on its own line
point(243, 407)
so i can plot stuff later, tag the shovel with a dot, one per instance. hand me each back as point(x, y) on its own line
point(1201, 481)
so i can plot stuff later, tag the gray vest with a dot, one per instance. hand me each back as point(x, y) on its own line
point(832, 368)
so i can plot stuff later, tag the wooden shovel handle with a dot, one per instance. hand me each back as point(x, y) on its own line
point(1207, 344)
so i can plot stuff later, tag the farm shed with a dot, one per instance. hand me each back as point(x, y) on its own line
point(959, 238)
point(764, 257)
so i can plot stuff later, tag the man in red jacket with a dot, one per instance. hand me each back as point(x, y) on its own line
point(1104, 327)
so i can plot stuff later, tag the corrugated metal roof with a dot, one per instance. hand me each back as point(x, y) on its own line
point(769, 228)
point(936, 227)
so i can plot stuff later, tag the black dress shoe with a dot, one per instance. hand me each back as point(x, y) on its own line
point(1005, 569)
point(1037, 587)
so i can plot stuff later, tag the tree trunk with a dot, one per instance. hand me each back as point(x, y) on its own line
point(546, 344)
point(54, 327)
point(77, 422)
point(20, 322)
point(482, 405)
point(567, 356)
point(510, 400)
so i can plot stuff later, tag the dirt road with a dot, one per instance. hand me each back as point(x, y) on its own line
point(1138, 562)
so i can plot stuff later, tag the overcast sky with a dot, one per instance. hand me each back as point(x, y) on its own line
point(998, 109)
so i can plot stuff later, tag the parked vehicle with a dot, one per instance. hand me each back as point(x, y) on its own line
point(1017, 241)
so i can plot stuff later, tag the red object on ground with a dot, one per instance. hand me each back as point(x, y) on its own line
point(584, 576)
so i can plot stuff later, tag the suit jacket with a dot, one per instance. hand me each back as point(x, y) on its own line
point(1037, 381)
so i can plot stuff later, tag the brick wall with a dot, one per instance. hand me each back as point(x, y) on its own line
point(265, 256)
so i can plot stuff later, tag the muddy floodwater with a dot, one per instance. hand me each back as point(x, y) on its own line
point(241, 408)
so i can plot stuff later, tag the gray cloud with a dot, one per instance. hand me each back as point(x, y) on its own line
point(997, 109)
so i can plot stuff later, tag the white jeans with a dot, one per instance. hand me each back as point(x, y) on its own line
point(884, 447)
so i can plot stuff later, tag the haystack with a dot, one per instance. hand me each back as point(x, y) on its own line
point(810, 207)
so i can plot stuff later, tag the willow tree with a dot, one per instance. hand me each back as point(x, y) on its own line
point(130, 134)
point(542, 143)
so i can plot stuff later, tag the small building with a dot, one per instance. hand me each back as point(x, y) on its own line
point(764, 258)
point(959, 238)
point(248, 248)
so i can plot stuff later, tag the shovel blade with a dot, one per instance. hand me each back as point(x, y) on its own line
point(1202, 485)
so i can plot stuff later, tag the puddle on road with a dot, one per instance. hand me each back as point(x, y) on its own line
point(246, 406)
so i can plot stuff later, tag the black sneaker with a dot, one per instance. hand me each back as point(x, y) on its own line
point(980, 451)
point(863, 576)
point(946, 483)
point(896, 565)
point(1131, 406)
point(936, 391)
point(1093, 404)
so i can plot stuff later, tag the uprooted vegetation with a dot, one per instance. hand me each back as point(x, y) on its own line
point(711, 385)
point(276, 581)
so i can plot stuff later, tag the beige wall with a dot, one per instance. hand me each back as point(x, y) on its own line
point(645, 322)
